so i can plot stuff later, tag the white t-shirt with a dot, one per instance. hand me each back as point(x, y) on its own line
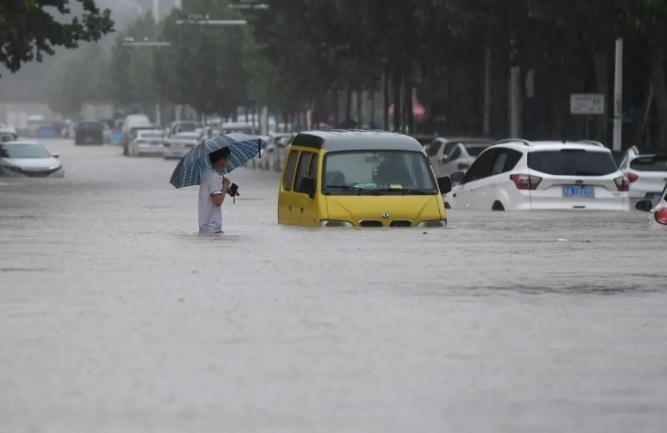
point(210, 215)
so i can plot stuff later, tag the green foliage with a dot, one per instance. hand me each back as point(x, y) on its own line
point(31, 28)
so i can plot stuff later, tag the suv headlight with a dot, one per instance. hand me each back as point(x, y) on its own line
point(432, 224)
point(329, 223)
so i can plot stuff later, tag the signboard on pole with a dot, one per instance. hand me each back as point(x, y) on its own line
point(587, 103)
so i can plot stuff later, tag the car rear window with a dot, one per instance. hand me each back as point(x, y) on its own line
point(649, 163)
point(474, 149)
point(572, 162)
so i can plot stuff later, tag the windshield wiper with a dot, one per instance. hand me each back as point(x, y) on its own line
point(353, 188)
point(408, 191)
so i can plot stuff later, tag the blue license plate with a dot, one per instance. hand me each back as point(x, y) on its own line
point(578, 191)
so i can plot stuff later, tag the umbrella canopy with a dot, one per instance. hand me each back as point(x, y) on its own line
point(243, 148)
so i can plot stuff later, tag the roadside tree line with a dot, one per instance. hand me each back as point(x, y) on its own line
point(455, 55)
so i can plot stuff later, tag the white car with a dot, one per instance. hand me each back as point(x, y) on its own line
point(658, 218)
point(542, 175)
point(179, 144)
point(449, 155)
point(147, 142)
point(647, 174)
point(28, 159)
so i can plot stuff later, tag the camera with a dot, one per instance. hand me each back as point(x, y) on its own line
point(233, 190)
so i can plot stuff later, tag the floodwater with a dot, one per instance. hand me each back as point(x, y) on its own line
point(116, 317)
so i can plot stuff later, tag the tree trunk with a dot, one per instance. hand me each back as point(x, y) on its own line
point(660, 93)
point(359, 108)
point(396, 82)
point(409, 113)
point(385, 102)
point(601, 60)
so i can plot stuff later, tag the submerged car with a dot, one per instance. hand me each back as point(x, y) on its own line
point(90, 132)
point(147, 142)
point(179, 144)
point(647, 174)
point(524, 175)
point(358, 178)
point(658, 218)
point(28, 159)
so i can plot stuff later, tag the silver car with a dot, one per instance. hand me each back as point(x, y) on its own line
point(28, 159)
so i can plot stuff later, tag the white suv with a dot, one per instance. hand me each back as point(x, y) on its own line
point(647, 174)
point(542, 175)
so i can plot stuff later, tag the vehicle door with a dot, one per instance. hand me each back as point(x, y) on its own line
point(286, 198)
point(305, 204)
point(495, 187)
point(475, 182)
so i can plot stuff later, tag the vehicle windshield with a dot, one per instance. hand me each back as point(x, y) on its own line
point(572, 162)
point(391, 172)
point(650, 163)
point(23, 150)
point(474, 149)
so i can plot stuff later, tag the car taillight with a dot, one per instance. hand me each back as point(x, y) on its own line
point(463, 166)
point(622, 183)
point(525, 181)
point(632, 177)
point(661, 216)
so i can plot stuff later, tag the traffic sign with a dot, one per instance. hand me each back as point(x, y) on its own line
point(587, 103)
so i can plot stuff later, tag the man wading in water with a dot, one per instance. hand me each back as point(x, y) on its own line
point(213, 189)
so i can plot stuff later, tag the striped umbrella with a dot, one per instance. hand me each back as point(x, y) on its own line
point(243, 148)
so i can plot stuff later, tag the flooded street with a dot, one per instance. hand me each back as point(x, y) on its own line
point(115, 316)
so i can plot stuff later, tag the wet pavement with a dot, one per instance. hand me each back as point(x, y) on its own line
point(116, 317)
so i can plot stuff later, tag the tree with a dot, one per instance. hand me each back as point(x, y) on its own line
point(28, 28)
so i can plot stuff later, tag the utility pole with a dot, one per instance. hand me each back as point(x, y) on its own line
point(618, 97)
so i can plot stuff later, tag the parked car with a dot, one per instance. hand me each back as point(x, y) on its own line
point(132, 123)
point(359, 179)
point(449, 155)
point(647, 174)
point(179, 144)
point(282, 142)
point(28, 159)
point(180, 126)
point(524, 175)
point(147, 142)
point(658, 218)
point(7, 134)
point(89, 132)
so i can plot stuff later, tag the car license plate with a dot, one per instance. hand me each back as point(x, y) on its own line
point(155, 143)
point(578, 191)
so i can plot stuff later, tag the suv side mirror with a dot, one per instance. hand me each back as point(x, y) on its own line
point(644, 205)
point(307, 186)
point(444, 184)
point(457, 177)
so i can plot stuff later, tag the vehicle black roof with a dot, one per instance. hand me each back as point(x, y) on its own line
point(337, 140)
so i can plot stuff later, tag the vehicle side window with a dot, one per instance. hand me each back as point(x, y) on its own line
point(433, 148)
point(505, 161)
point(448, 149)
point(312, 170)
point(302, 169)
point(289, 170)
point(456, 153)
point(482, 166)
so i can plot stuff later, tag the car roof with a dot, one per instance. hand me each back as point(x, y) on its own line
point(530, 146)
point(336, 140)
